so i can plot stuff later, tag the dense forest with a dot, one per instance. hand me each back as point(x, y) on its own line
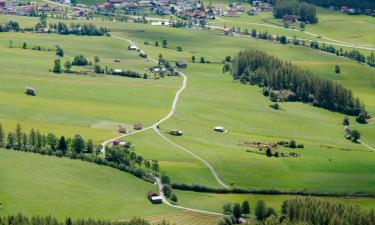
point(20, 219)
point(312, 211)
point(357, 4)
point(305, 11)
point(286, 82)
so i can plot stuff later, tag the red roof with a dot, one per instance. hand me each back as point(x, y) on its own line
point(152, 194)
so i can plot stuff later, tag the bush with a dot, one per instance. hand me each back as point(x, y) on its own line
point(79, 60)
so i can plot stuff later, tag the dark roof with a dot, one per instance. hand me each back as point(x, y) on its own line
point(182, 63)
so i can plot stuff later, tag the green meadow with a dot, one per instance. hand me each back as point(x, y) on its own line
point(41, 185)
point(67, 104)
point(212, 98)
point(334, 25)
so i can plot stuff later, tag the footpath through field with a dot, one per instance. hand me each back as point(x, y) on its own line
point(155, 128)
point(359, 141)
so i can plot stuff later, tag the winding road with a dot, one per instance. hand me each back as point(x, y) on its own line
point(170, 114)
point(155, 128)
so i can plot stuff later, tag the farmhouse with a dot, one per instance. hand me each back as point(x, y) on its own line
point(181, 64)
point(154, 198)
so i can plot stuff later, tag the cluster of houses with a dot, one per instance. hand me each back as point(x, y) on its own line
point(32, 8)
point(258, 7)
point(352, 11)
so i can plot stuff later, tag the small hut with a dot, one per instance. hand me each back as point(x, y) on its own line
point(176, 132)
point(122, 129)
point(182, 64)
point(137, 126)
point(219, 129)
point(30, 91)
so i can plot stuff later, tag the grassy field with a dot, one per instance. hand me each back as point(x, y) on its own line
point(246, 114)
point(215, 202)
point(331, 25)
point(41, 185)
point(185, 218)
point(68, 104)
point(328, 163)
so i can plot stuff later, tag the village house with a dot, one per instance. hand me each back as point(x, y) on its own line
point(231, 13)
point(290, 18)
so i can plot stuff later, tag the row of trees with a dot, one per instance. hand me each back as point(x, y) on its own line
point(10, 26)
point(36, 141)
point(353, 54)
point(123, 158)
point(258, 68)
point(20, 219)
point(305, 11)
point(357, 4)
point(305, 211)
point(78, 29)
point(168, 189)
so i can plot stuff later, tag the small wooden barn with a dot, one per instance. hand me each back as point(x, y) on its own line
point(176, 132)
point(30, 91)
point(137, 126)
point(182, 64)
point(122, 129)
point(219, 129)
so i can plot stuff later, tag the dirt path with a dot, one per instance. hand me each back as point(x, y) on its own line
point(359, 141)
point(170, 114)
point(194, 155)
point(160, 185)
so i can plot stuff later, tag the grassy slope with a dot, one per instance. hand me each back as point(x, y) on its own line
point(214, 202)
point(332, 24)
point(40, 185)
point(200, 109)
point(68, 104)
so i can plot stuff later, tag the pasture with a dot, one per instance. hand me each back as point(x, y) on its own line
point(66, 103)
point(41, 185)
point(212, 98)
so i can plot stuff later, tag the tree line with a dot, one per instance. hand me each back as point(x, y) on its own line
point(301, 211)
point(120, 157)
point(51, 144)
point(20, 219)
point(79, 29)
point(59, 28)
point(294, 84)
point(10, 26)
point(305, 11)
point(205, 189)
point(354, 55)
